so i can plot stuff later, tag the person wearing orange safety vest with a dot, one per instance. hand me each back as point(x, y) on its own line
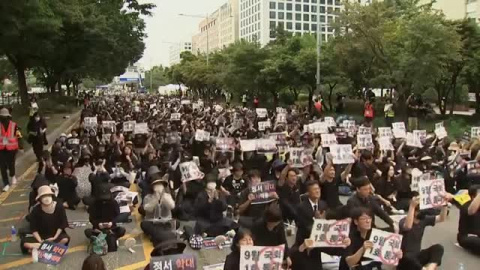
point(10, 143)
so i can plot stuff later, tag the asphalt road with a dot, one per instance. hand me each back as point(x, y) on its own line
point(13, 206)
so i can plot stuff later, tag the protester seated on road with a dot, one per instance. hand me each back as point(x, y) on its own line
point(48, 221)
point(38, 181)
point(249, 212)
point(166, 248)
point(359, 243)
point(158, 206)
point(363, 198)
point(99, 177)
point(119, 177)
point(82, 171)
point(93, 262)
point(412, 228)
point(242, 238)
point(102, 216)
point(234, 184)
point(186, 197)
point(468, 235)
point(209, 207)
point(67, 184)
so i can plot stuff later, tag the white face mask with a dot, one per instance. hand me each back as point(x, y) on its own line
point(211, 186)
point(46, 200)
point(158, 188)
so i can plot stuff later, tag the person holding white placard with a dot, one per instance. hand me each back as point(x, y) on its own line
point(468, 235)
point(242, 238)
point(412, 228)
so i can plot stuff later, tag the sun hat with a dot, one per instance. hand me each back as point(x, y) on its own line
point(4, 112)
point(453, 146)
point(44, 191)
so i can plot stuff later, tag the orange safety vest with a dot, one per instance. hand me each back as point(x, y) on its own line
point(368, 111)
point(8, 139)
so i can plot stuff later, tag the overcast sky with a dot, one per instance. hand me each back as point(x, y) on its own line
point(166, 26)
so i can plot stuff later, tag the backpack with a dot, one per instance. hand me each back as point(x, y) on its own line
point(98, 245)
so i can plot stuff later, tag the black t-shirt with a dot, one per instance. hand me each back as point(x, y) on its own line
point(47, 224)
point(468, 224)
point(330, 193)
point(356, 243)
point(234, 186)
point(253, 210)
point(412, 239)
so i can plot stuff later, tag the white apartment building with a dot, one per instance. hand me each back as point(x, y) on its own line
point(218, 30)
point(260, 18)
point(177, 49)
point(458, 9)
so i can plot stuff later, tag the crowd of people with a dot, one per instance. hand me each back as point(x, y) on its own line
point(176, 159)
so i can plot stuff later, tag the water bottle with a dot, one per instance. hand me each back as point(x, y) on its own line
point(14, 234)
point(461, 266)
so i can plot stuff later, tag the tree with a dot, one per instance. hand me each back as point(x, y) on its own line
point(156, 77)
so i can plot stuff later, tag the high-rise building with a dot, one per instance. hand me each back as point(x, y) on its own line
point(177, 49)
point(218, 29)
point(457, 9)
point(260, 18)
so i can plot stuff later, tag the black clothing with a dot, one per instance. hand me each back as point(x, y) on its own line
point(289, 200)
point(305, 214)
point(469, 224)
point(412, 239)
point(330, 193)
point(416, 261)
point(47, 224)
point(232, 261)
point(262, 236)
point(66, 190)
point(103, 212)
point(370, 203)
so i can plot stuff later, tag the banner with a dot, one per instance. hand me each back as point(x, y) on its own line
point(225, 144)
point(431, 193)
point(295, 156)
point(190, 171)
point(342, 154)
point(364, 131)
point(141, 128)
point(184, 261)
point(328, 140)
point(330, 233)
point(440, 131)
point(418, 176)
point(248, 145)
point(109, 125)
point(259, 257)
point(90, 122)
point(261, 112)
point(51, 253)
point(202, 135)
point(129, 126)
point(385, 144)
point(175, 116)
point(399, 130)
point(385, 132)
point(385, 247)
point(318, 128)
point(262, 192)
point(364, 141)
point(266, 146)
point(264, 125)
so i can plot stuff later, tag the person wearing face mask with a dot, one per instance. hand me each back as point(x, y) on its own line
point(37, 134)
point(67, 184)
point(209, 208)
point(158, 206)
point(48, 221)
point(102, 215)
point(10, 143)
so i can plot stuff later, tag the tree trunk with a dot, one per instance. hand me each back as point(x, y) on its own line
point(22, 82)
point(310, 97)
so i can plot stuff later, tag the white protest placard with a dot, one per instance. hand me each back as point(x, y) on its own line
point(364, 130)
point(141, 128)
point(432, 193)
point(248, 145)
point(190, 171)
point(259, 257)
point(418, 176)
point(328, 140)
point(350, 126)
point(281, 118)
point(330, 233)
point(218, 266)
point(475, 133)
point(318, 128)
point(185, 102)
point(441, 132)
point(129, 126)
point(261, 112)
point(307, 157)
point(385, 132)
point(342, 154)
point(399, 130)
point(106, 138)
point(281, 110)
point(385, 247)
point(264, 125)
point(175, 116)
point(218, 108)
point(385, 144)
point(295, 156)
point(225, 144)
point(224, 173)
point(330, 121)
point(414, 140)
point(266, 146)
point(90, 122)
point(202, 135)
point(364, 141)
point(109, 124)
